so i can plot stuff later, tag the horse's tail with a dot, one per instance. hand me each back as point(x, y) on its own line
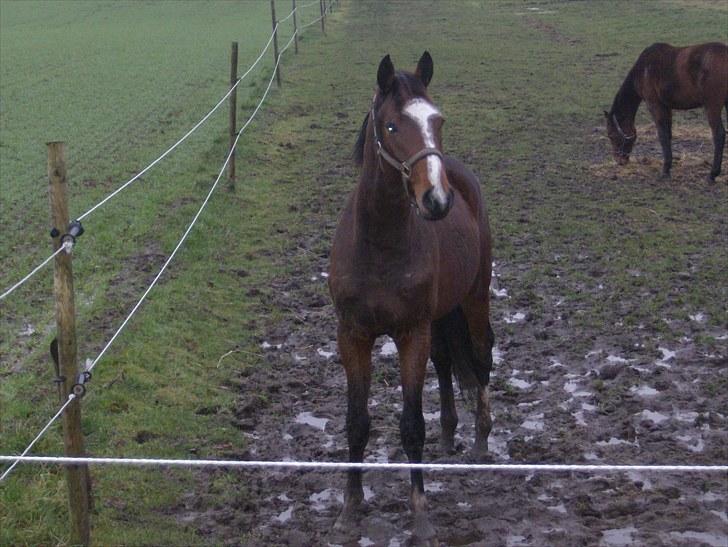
point(452, 341)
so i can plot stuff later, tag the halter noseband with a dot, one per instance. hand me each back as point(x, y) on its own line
point(619, 129)
point(404, 167)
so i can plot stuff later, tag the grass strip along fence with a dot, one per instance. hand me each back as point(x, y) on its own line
point(71, 382)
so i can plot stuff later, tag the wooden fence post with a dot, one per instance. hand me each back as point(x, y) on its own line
point(275, 41)
point(77, 476)
point(295, 29)
point(321, 9)
point(233, 112)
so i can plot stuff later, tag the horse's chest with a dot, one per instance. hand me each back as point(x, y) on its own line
point(384, 303)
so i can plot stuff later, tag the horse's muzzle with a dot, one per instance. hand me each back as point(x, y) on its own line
point(434, 209)
point(621, 159)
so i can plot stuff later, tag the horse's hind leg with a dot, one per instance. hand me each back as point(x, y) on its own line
point(477, 314)
point(662, 116)
point(355, 354)
point(448, 413)
point(414, 348)
point(716, 126)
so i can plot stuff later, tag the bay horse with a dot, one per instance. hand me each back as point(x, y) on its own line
point(411, 258)
point(668, 78)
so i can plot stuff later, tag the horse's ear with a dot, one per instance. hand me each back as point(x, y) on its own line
point(606, 114)
point(424, 68)
point(385, 74)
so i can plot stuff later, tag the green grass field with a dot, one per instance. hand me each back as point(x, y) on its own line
point(120, 81)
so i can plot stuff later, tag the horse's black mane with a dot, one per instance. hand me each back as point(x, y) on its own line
point(405, 87)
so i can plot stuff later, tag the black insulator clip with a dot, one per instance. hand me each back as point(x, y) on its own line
point(79, 388)
point(75, 229)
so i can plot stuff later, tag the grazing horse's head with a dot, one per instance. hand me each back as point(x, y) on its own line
point(622, 137)
point(407, 136)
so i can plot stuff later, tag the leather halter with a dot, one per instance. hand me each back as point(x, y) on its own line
point(619, 129)
point(404, 167)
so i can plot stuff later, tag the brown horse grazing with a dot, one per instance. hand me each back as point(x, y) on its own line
point(668, 77)
point(411, 258)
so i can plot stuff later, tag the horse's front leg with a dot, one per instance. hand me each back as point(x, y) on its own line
point(716, 126)
point(414, 348)
point(356, 352)
point(662, 116)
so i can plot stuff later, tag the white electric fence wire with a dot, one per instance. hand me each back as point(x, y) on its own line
point(311, 23)
point(180, 141)
point(318, 466)
point(148, 167)
point(71, 397)
point(194, 220)
point(36, 269)
point(167, 262)
point(287, 17)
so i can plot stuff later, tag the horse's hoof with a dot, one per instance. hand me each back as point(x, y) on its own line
point(447, 446)
point(346, 522)
point(423, 532)
point(664, 176)
point(711, 179)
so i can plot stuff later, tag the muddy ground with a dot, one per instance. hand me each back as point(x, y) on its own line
point(598, 360)
point(604, 398)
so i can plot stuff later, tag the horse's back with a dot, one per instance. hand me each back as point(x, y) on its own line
point(683, 77)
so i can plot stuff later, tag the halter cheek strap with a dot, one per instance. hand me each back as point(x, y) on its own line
point(619, 129)
point(404, 167)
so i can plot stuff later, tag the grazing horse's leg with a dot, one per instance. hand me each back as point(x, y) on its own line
point(716, 126)
point(448, 412)
point(356, 353)
point(477, 313)
point(662, 115)
point(414, 348)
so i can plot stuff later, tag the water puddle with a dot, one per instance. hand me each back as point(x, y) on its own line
point(388, 349)
point(285, 516)
point(307, 418)
point(655, 417)
point(325, 354)
point(518, 383)
point(515, 318)
point(643, 391)
point(618, 537)
point(534, 422)
point(713, 540)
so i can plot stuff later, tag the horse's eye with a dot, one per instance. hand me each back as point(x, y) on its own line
point(391, 127)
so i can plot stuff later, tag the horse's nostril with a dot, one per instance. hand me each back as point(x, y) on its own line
point(434, 207)
point(430, 202)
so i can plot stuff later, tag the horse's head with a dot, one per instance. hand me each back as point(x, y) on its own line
point(407, 135)
point(622, 136)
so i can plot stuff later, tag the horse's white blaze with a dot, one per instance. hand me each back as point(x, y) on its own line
point(421, 112)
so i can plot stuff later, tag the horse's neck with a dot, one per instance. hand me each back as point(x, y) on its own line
point(383, 208)
point(627, 100)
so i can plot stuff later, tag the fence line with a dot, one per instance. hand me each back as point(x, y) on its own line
point(169, 259)
point(17, 285)
point(35, 270)
point(71, 397)
point(372, 466)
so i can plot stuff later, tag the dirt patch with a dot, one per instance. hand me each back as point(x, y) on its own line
point(562, 392)
point(551, 31)
point(692, 155)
